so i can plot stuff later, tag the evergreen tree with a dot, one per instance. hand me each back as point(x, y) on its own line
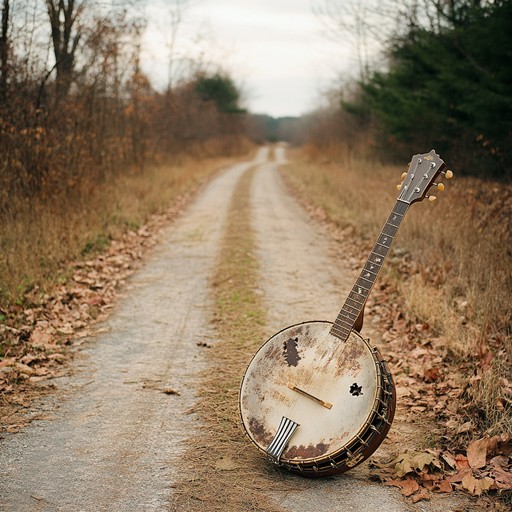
point(450, 89)
point(220, 89)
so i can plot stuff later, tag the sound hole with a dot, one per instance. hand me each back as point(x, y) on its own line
point(356, 390)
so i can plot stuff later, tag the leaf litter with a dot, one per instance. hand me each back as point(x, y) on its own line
point(37, 337)
point(431, 389)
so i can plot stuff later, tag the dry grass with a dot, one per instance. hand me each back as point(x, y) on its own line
point(224, 472)
point(450, 263)
point(38, 237)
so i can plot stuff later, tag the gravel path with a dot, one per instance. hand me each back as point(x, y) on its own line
point(112, 433)
point(112, 438)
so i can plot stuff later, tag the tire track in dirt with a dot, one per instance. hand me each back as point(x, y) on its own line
point(113, 435)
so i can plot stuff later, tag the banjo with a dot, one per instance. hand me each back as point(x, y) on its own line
point(317, 398)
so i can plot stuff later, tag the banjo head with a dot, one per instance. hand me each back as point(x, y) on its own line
point(339, 395)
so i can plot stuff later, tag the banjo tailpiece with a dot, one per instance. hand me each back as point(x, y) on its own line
point(284, 433)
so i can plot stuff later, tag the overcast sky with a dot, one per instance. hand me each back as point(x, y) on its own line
point(276, 50)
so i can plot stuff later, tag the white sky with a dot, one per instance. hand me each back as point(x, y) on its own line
point(276, 50)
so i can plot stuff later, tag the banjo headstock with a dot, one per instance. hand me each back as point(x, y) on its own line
point(420, 177)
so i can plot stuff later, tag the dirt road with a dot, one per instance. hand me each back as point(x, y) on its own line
point(110, 439)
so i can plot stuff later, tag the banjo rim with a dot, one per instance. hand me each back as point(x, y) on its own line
point(370, 444)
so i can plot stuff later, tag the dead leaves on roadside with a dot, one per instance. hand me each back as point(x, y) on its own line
point(35, 336)
point(428, 388)
point(485, 468)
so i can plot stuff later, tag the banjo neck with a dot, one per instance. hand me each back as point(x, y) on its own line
point(354, 304)
point(423, 170)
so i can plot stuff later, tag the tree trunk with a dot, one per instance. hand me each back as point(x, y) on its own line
point(4, 52)
point(62, 16)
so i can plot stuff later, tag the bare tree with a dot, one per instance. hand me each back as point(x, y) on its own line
point(64, 16)
point(362, 24)
point(369, 25)
point(175, 10)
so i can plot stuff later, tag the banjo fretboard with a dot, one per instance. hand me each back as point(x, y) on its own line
point(356, 299)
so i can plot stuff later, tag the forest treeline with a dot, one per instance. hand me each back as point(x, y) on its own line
point(76, 106)
point(445, 82)
point(89, 146)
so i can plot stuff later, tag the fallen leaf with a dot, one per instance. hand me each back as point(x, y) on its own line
point(394, 483)
point(58, 357)
point(41, 371)
point(170, 391)
point(500, 461)
point(432, 374)
point(469, 482)
point(449, 459)
point(459, 476)
point(29, 358)
point(486, 483)
point(409, 486)
point(24, 369)
point(503, 445)
point(477, 453)
point(422, 495)
point(427, 479)
point(476, 486)
point(420, 460)
point(7, 362)
point(404, 466)
point(465, 427)
point(13, 429)
point(461, 461)
point(502, 478)
point(65, 329)
point(40, 338)
point(453, 424)
point(444, 486)
point(95, 300)
point(414, 461)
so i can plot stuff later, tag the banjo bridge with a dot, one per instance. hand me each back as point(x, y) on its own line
point(327, 405)
point(283, 435)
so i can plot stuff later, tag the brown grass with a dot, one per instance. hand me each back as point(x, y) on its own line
point(37, 237)
point(449, 262)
